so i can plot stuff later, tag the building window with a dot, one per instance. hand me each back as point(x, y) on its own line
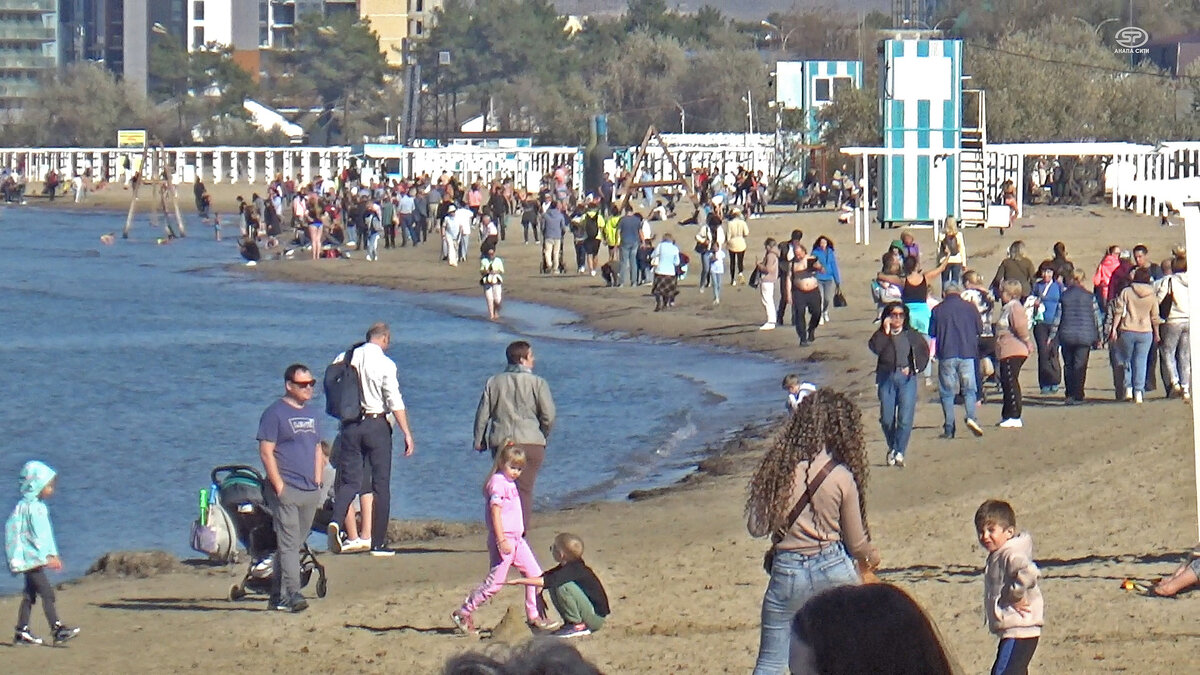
point(420, 5)
point(198, 10)
point(197, 37)
point(264, 36)
point(821, 90)
point(264, 12)
point(418, 28)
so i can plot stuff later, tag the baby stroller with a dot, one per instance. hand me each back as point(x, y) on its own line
point(240, 494)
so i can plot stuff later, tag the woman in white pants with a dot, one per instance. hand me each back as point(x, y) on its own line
point(768, 276)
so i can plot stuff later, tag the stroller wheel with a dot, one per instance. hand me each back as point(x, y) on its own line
point(236, 592)
point(322, 587)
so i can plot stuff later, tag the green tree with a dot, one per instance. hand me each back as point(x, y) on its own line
point(341, 58)
point(84, 106)
point(851, 119)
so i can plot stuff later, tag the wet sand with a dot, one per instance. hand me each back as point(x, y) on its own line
point(1106, 489)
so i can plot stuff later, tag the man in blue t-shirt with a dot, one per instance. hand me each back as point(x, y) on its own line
point(289, 433)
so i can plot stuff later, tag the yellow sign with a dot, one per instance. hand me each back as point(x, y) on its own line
point(131, 138)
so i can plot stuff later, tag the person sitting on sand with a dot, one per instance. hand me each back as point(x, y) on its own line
point(1185, 577)
point(574, 589)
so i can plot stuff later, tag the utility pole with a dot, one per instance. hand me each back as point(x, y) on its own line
point(749, 115)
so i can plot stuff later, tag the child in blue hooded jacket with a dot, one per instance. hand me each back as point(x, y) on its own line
point(30, 549)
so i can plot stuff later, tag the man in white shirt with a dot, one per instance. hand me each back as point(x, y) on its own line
point(466, 219)
point(369, 439)
point(450, 232)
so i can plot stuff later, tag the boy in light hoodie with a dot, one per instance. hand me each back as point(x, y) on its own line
point(1012, 599)
point(30, 550)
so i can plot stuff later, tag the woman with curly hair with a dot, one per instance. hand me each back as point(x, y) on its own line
point(819, 459)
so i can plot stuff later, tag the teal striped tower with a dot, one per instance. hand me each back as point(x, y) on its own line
point(921, 83)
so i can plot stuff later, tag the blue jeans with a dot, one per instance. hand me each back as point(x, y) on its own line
point(628, 264)
point(897, 407)
point(794, 580)
point(409, 221)
point(955, 376)
point(1134, 349)
point(705, 267)
point(952, 273)
point(715, 278)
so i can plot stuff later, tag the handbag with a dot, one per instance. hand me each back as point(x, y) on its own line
point(801, 504)
point(839, 300)
point(753, 282)
point(1164, 307)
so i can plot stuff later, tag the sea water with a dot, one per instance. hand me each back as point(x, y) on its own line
point(134, 369)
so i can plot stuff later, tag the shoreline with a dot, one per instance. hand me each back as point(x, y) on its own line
point(683, 574)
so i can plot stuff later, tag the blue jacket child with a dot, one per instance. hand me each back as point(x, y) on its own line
point(29, 548)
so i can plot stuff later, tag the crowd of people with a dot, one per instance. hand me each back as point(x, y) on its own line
point(979, 333)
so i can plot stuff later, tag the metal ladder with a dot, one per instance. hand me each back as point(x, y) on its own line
point(973, 198)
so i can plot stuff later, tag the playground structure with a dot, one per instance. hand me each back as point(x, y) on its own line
point(164, 190)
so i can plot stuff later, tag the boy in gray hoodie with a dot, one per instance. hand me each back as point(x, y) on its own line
point(1012, 599)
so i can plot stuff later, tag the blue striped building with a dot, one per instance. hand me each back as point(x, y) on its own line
point(812, 85)
point(921, 83)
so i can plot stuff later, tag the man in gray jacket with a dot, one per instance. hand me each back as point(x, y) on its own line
point(554, 224)
point(516, 406)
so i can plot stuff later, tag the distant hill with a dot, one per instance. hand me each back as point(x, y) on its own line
point(744, 10)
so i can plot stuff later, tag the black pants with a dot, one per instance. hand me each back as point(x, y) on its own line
point(806, 300)
point(366, 442)
point(1075, 363)
point(737, 264)
point(1010, 373)
point(1013, 656)
point(36, 584)
point(1049, 368)
point(389, 235)
point(527, 225)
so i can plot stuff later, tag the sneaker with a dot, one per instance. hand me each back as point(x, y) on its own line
point(974, 427)
point(1128, 394)
point(575, 630)
point(1137, 397)
point(1014, 423)
point(1046, 391)
point(63, 633)
point(464, 623)
point(383, 552)
point(891, 458)
point(23, 636)
point(716, 301)
point(543, 625)
point(356, 546)
point(899, 460)
point(946, 435)
point(276, 604)
point(297, 603)
point(767, 326)
point(334, 538)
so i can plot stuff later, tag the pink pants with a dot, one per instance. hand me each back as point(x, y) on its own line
point(522, 557)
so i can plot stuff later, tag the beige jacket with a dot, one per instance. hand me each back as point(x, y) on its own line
point(1009, 576)
point(1136, 310)
point(831, 516)
point(515, 405)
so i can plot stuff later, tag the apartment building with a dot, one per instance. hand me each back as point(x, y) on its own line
point(396, 21)
point(28, 50)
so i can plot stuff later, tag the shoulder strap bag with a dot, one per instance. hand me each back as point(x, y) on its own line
point(801, 504)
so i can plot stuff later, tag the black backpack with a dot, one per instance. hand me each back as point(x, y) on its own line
point(343, 389)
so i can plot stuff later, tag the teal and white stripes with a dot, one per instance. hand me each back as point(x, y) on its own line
point(922, 116)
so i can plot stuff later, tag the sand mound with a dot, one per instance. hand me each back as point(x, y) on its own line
point(423, 530)
point(140, 564)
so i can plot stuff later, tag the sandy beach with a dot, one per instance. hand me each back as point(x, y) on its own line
point(1106, 489)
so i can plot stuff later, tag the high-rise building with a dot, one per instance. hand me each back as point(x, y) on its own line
point(397, 21)
point(28, 50)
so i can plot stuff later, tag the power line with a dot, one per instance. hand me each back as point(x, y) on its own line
point(1093, 66)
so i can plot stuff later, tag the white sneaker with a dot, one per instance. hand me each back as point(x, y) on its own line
point(767, 326)
point(1137, 397)
point(891, 458)
point(716, 301)
point(974, 427)
point(899, 460)
point(334, 534)
point(1011, 424)
point(356, 546)
point(1128, 393)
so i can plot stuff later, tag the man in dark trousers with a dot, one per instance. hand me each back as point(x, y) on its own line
point(516, 406)
point(368, 440)
point(955, 325)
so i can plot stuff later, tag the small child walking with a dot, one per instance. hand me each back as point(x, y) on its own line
point(506, 541)
point(30, 550)
point(574, 589)
point(716, 271)
point(1012, 599)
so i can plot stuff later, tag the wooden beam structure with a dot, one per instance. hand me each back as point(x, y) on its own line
point(629, 186)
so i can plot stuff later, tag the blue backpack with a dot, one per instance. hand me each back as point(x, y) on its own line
point(343, 389)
